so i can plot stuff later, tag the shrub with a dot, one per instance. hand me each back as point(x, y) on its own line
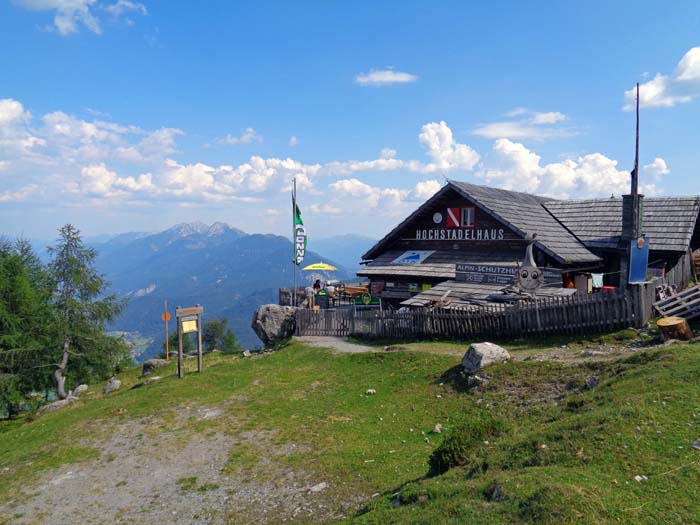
point(458, 446)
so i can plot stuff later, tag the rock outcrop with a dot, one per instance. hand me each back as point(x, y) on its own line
point(150, 366)
point(112, 385)
point(80, 389)
point(58, 404)
point(273, 323)
point(480, 355)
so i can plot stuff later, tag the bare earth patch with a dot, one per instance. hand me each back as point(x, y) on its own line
point(155, 471)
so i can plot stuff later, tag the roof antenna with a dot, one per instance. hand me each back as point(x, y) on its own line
point(635, 179)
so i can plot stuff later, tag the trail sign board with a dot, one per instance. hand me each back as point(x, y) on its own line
point(189, 320)
point(189, 326)
point(193, 310)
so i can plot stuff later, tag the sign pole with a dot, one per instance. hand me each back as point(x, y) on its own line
point(166, 316)
point(294, 241)
point(200, 362)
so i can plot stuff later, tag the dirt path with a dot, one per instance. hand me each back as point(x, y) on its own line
point(573, 354)
point(179, 475)
point(336, 343)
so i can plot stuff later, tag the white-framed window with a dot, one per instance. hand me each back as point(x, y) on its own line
point(468, 215)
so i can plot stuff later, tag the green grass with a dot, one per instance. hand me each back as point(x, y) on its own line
point(559, 456)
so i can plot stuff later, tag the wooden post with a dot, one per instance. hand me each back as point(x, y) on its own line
point(180, 357)
point(200, 361)
point(165, 312)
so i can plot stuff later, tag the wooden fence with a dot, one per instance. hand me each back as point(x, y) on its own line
point(573, 315)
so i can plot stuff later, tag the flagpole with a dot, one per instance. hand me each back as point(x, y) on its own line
point(294, 251)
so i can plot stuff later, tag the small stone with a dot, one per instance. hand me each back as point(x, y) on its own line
point(592, 382)
point(696, 445)
point(438, 396)
point(639, 479)
point(370, 392)
point(570, 385)
point(474, 381)
point(494, 492)
point(319, 487)
point(427, 439)
point(246, 353)
point(437, 429)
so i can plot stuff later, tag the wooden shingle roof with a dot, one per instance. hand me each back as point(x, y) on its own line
point(522, 212)
point(669, 222)
point(526, 213)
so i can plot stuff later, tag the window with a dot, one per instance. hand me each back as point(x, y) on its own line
point(468, 217)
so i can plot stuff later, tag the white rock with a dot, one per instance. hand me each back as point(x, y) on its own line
point(319, 487)
point(80, 389)
point(437, 429)
point(480, 355)
point(370, 392)
point(112, 385)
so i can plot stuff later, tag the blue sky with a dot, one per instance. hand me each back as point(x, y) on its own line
point(124, 115)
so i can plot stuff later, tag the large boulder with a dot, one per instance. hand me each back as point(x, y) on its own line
point(80, 389)
point(480, 355)
point(150, 366)
point(112, 385)
point(273, 323)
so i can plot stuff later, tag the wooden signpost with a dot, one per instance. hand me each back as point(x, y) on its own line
point(189, 320)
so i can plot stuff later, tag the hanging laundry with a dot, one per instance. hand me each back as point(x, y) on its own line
point(597, 280)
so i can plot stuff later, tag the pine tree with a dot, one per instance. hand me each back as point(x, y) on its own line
point(82, 313)
point(216, 335)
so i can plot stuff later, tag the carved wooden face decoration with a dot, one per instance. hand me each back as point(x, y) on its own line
point(530, 279)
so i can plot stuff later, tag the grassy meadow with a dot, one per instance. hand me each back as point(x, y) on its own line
point(563, 452)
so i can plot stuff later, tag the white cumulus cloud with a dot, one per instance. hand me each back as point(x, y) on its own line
point(384, 77)
point(426, 189)
point(526, 124)
point(69, 15)
point(657, 168)
point(667, 90)
point(512, 166)
point(247, 137)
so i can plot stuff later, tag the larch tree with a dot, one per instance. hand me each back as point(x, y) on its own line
point(83, 310)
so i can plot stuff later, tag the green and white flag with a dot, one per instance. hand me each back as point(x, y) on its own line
point(299, 236)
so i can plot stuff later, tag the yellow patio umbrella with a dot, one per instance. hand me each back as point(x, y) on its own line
point(320, 266)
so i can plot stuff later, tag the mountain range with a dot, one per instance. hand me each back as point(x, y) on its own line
point(229, 272)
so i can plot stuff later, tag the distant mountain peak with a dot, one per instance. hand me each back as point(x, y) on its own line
point(187, 229)
point(219, 228)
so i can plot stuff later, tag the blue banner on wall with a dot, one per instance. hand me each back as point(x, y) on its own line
point(639, 260)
